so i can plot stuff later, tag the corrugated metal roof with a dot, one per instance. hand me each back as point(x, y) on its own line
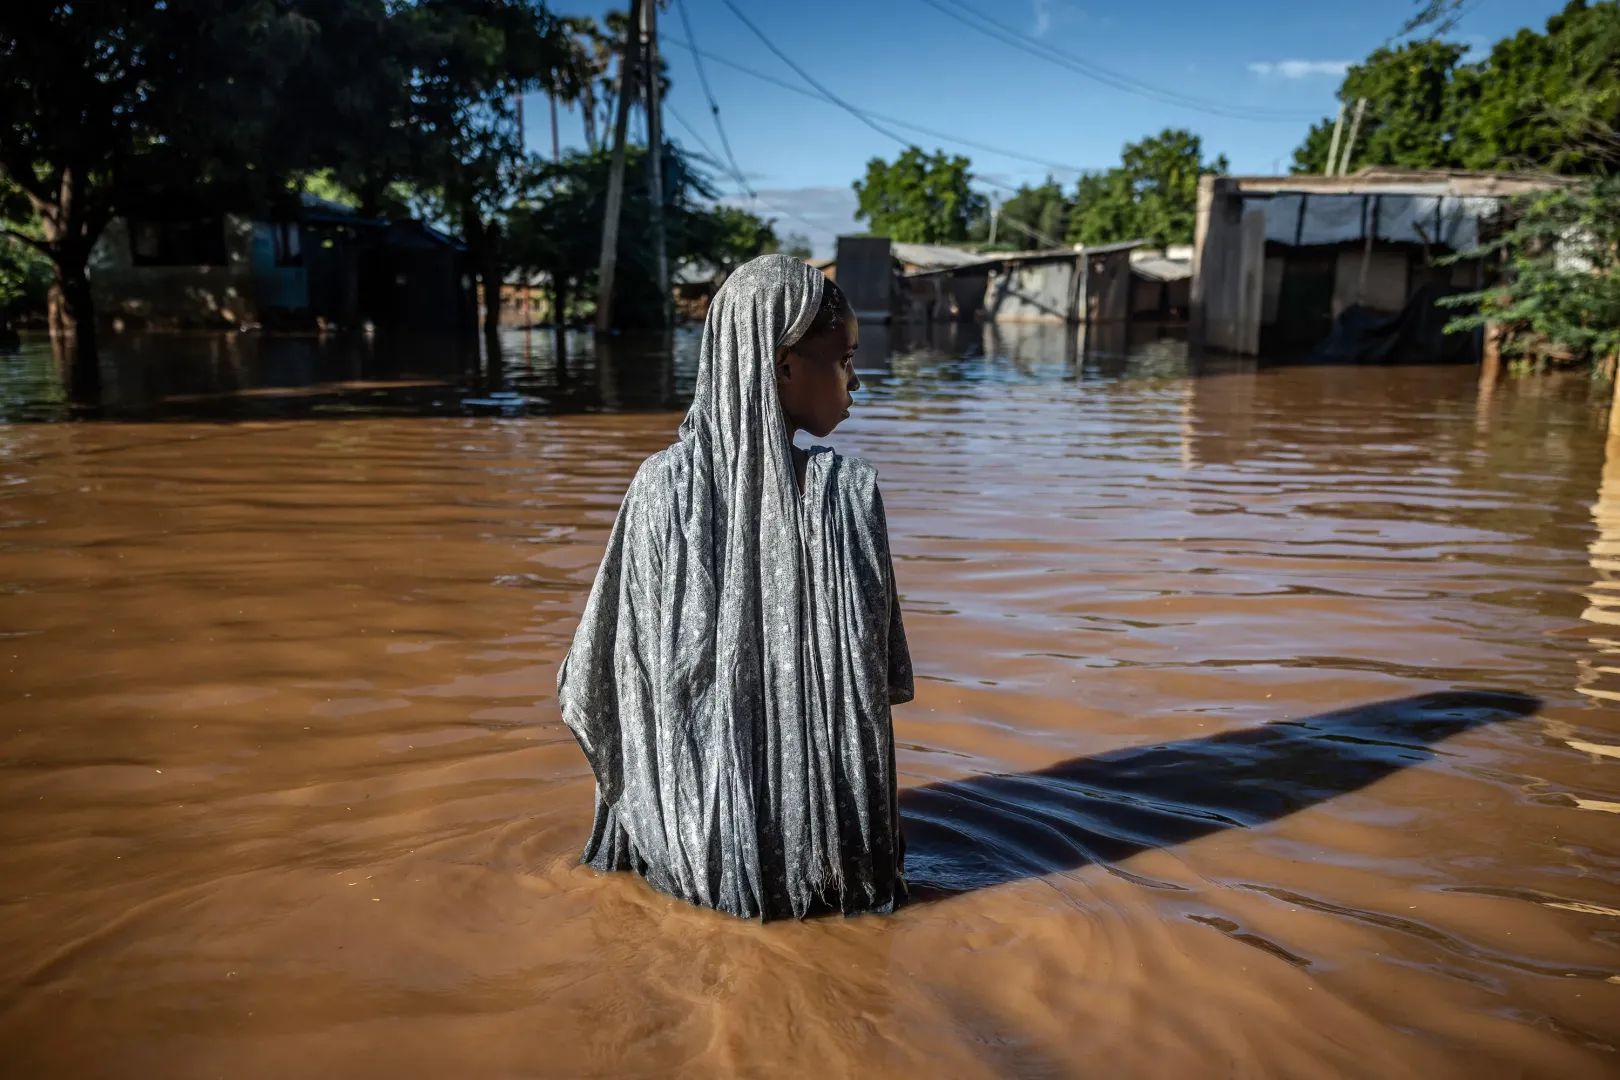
point(1159, 268)
point(325, 206)
point(1108, 249)
point(934, 256)
point(1379, 180)
point(696, 272)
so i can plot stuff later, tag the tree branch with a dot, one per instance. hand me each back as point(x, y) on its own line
point(21, 173)
point(38, 245)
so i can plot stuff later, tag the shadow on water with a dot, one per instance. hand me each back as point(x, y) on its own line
point(985, 831)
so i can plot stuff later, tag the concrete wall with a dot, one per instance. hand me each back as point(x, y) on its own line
point(1108, 287)
point(1045, 291)
point(176, 296)
point(1228, 292)
point(1234, 289)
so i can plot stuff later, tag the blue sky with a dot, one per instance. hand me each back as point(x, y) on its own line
point(909, 60)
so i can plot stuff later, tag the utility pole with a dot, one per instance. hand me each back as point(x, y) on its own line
point(556, 152)
point(655, 158)
point(1355, 129)
point(1333, 147)
point(523, 289)
point(615, 191)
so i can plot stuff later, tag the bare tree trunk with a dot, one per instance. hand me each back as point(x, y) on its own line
point(489, 269)
point(72, 321)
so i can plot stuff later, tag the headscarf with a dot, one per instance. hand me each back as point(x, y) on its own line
point(725, 699)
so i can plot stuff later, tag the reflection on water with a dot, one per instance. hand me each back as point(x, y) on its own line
point(1265, 722)
point(534, 372)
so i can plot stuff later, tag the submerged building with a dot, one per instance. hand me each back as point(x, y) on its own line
point(888, 281)
point(1278, 262)
point(318, 265)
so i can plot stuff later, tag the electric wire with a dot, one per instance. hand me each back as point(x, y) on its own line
point(714, 106)
point(974, 20)
point(794, 88)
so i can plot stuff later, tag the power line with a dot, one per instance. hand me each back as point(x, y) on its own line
point(753, 195)
point(863, 117)
point(807, 77)
point(714, 107)
point(710, 157)
point(974, 20)
point(784, 84)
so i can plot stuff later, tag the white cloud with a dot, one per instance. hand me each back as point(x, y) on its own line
point(1043, 16)
point(1299, 69)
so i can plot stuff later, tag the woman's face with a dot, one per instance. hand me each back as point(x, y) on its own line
point(816, 377)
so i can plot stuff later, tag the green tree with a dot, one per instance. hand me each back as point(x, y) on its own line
point(1545, 100)
point(797, 245)
point(113, 106)
point(556, 229)
point(471, 59)
point(25, 274)
point(1411, 115)
point(1037, 216)
point(1561, 295)
point(727, 236)
point(1152, 195)
point(919, 199)
point(1537, 100)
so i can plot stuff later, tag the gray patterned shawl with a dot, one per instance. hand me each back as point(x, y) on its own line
point(731, 677)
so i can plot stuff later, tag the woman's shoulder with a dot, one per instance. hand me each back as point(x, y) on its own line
point(851, 477)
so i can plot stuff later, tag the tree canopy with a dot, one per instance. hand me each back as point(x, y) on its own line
point(150, 106)
point(919, 198)
point(1151, 195)
point(556, 228)
point(1536, 100)
point(1034, 217)
point(1562, 288)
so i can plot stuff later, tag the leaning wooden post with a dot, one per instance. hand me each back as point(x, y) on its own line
point(1333, 147)
point(615, 191)
point(1614, 399)
point(1490, 358)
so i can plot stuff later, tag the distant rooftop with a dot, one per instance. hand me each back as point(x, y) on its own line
point(1383, 180)
point(934, 256)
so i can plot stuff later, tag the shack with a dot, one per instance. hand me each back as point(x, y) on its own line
point(939, 283)
point(1279, 263)
point(170, 268)
point(415, 279)
point(315, 266)
point(1161, 283)
point(1068, 285)
point(934, 283)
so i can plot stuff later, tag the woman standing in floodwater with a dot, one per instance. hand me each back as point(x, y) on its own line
point(731, 678)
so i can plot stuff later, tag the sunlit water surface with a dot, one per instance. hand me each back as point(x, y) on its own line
point(1265, 723)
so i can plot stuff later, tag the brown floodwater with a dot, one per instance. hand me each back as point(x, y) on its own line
point(1266, 725)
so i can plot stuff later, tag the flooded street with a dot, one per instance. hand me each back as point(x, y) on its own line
point(1266, 725)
